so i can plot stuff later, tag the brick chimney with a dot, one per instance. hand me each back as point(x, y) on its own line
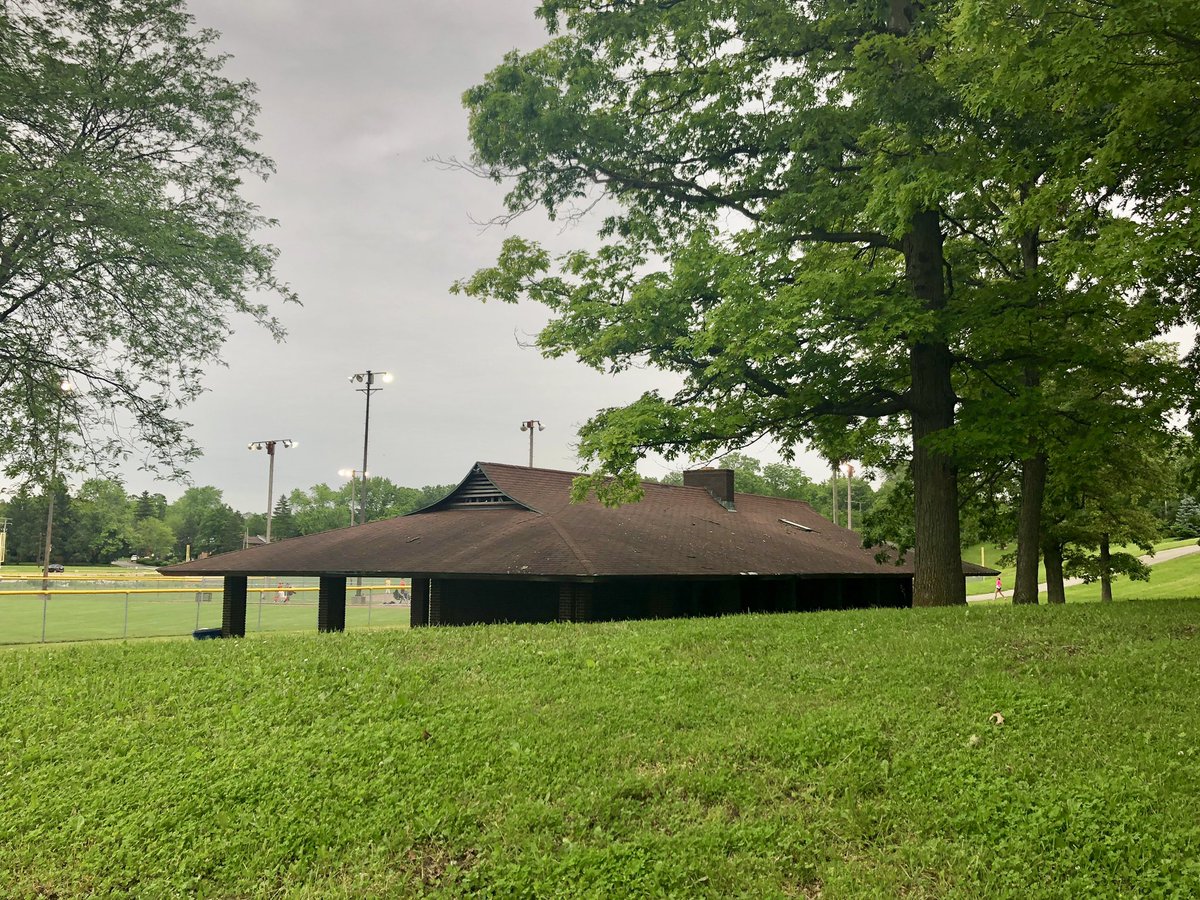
point(718, 482)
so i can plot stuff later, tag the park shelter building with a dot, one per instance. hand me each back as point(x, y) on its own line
point(508, 545)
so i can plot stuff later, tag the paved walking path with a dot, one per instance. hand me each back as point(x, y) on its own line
point(1160, 557)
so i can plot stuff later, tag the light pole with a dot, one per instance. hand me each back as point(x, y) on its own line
point(352, 474)
point(269, 446)
point(849, 499)
point(65, 387)
point(527, 425)
point(833, 486)
point(367, 379)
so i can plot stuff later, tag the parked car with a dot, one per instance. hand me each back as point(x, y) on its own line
point(55, 567)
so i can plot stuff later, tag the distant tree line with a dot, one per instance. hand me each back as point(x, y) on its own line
point(778, 479)
point(101, 522)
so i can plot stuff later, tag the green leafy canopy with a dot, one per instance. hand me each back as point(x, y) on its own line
point(126, 248)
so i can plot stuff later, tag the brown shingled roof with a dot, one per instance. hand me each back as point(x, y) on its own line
point(514, 521)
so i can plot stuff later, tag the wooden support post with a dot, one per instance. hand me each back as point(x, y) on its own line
point(419, 607)
point(331, 603)
point(233, 607)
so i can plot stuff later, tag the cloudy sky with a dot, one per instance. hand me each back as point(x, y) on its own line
point(356, 97)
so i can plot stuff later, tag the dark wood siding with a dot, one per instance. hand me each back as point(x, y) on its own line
point(470, 602)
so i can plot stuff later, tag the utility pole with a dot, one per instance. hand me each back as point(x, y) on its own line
point(849, 500)
point(367, 379)
point(833, 486)
point(353, 474)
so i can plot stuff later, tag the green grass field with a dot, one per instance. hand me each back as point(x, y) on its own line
point(992, 553)
point(99, 607)
point(852, 754)
point(1173, 578)
point(106, 571)
point(99, 617)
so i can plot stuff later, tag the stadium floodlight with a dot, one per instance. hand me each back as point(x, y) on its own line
point(527, 425)
point(270, 446)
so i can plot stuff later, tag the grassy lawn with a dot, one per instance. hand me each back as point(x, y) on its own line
point(91, 571)
point(829, 755)
point(992, 553)
point(1173, 578)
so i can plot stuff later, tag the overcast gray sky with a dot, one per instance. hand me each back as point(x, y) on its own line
point(356, 97)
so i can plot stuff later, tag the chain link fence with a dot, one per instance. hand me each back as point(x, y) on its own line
point(88, 609)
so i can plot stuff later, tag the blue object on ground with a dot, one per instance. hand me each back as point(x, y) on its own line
point(206, 634)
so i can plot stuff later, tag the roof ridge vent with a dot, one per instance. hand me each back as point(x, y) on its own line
point(476, 491)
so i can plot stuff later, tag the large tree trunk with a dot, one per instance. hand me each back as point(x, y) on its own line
point(1052, 552)
point(1105, 571)
point(938, 577)
point(1033, 490)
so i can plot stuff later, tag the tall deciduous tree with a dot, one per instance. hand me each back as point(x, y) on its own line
point(125, 245)
point(203, 522)
point(27, 526)
point(1102, 430)
point(794, 164)
point(153, 538)
point(103, 523)
point(1138, 65)
point(322, 508)
point(1089, 206)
